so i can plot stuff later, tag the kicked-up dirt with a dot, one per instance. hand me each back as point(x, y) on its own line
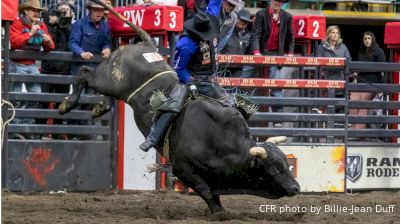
point(169, 207)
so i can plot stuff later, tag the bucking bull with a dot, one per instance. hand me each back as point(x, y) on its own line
point(211, 149)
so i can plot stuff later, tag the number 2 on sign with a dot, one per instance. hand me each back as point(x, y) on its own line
point(301, 23)
point(316, 25)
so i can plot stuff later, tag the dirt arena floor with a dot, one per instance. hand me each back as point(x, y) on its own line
point(169, 207)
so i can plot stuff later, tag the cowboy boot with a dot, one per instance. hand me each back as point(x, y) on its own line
point(157, 131)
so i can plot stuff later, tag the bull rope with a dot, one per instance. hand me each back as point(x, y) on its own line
point(150, 80)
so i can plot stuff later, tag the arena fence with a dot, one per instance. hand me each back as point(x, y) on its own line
point(70, 151)
point(320, 116)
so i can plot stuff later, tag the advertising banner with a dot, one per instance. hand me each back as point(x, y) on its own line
point(150, 18)
point(317, 168)
point(373, 167)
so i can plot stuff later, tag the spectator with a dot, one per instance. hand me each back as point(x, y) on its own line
point(272, 34)
point(239, 42)
point(333, 46)
point(59, 25)
point(90, 36)
point(28, 33)
point(227, 21)
point(58, 21)
point(369, 51)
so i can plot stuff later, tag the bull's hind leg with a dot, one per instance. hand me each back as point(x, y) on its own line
point(101, 108)
point(81, 82)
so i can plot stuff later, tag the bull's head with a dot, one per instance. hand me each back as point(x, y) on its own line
point(273, 178)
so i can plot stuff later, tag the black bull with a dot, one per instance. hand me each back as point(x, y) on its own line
point(210, 144)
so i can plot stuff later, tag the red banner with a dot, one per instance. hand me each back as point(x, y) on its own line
point(9, 9)
point(149, 18)
point(392, 33)
point(280, 60)
point(282, 83)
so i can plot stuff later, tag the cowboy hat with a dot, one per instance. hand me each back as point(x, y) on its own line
point(203, 26)
point(238, 3)
point(30, 4)
point(244, 15)
point(90, 4)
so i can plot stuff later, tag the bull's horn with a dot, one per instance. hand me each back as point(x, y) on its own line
point(277, 140)
point(141, 33)
point(258, 152)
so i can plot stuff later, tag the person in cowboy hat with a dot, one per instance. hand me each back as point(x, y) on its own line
point(239, 41)
point(272, 34)
point(28, 33)
point(227, 20)
point(195, 64)
point(89, 36)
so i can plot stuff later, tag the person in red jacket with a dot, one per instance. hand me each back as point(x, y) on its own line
point(28, 33)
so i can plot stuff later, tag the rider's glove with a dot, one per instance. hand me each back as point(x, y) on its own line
point(193, 91)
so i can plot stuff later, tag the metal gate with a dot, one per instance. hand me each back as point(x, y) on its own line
point(71, 151)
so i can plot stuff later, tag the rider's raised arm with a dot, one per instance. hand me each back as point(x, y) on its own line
point(214, 7)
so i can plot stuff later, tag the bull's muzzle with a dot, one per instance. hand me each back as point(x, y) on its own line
point(293, 190)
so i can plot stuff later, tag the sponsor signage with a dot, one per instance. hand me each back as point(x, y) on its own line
point(280, 60)
point(317, 168)
point(282, 83)
point(373, 167)
point(149, 18)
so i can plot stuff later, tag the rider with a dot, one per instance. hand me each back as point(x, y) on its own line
point(195, 64)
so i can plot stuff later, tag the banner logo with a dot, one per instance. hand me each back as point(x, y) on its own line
point(353, 167)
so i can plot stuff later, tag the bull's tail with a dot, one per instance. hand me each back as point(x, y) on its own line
point(141, 33)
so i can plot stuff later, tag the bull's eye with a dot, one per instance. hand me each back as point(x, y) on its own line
point(275, 171)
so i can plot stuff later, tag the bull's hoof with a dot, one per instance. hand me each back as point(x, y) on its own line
point(220, 216)
point(65, 107)
point(99, 110)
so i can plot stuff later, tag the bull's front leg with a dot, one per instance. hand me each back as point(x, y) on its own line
point(197, 183)
point(72, 100)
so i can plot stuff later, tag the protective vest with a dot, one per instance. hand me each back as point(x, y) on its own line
point(203, 61)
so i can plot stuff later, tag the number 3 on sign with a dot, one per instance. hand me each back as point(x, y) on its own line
point(158, 17)
point(172, 24)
